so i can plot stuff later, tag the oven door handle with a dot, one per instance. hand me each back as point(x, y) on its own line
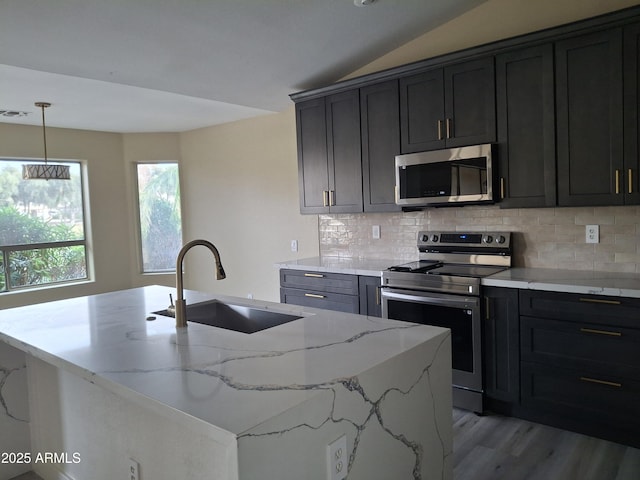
point(454, 301)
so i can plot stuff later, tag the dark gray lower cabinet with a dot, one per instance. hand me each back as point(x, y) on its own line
point(370, 303)
point(580, 363)
point(501, 349)
point(330, 291)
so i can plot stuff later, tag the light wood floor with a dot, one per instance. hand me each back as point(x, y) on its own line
point(493, 447)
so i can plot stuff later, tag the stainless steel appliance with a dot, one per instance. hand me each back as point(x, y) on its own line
point(446, 177)
point(442, 288)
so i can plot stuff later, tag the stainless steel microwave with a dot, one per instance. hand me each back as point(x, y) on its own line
point(454, 176)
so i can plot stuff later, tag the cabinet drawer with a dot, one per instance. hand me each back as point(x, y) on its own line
point(603, 349)
point(582, 395)
point(582, 308)
point(319, 281)
point(318, 299)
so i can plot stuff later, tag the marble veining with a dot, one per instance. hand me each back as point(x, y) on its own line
point(5, 373)
point(325, 370)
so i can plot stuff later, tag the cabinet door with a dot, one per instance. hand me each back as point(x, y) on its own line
point(470, 108)
point(380, 134)
point(501, 345)
point(631, 112)
point(526, 127)
point(313, 173)
point(589, 119)
point(370, 303)
point(422, 112)
point(344, 154)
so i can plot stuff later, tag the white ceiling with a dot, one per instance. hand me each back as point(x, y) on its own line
point(176, 65)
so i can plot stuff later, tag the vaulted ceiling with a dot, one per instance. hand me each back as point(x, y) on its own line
point(176, 65)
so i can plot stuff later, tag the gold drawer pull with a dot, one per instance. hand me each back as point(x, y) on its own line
point(630, 172)
point(502, 189)
point(601, 382)
point(314, 275)
point(440, 130)
point(325, 198)
point(617, 182)
point(314, 295)
point(598, 300)
point(601, 332)
point(449, 127)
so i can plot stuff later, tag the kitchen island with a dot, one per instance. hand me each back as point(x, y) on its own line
point(107, 385)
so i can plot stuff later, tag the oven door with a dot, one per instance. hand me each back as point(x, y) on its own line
point(459, 313)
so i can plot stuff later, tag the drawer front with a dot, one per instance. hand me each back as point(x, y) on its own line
point(319, 281)
point(319, 299)
point(581, 395)
point(603, 349)
point(582, 308)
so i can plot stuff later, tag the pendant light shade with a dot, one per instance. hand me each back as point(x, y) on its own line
point(46, 170)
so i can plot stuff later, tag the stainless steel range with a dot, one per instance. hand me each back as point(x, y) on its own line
point(442, 288)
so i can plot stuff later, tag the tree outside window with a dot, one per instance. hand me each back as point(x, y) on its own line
point(159, 214)
point(42, 233)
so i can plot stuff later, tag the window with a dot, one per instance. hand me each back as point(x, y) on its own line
point(42, 233)
point(160, 219)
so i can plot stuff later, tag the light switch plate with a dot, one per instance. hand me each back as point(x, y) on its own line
point(375, 231)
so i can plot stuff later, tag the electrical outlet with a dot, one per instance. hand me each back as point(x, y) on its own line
point(375, 231)
point(592, 234)
point(337, 459)
point(294, 245)
point(133, 472)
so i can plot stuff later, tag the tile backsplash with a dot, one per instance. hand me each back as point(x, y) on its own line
point(542, 237)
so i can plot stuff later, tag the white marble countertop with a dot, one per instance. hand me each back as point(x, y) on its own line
point(233, 381)
point(371, 267)
point(568, 281)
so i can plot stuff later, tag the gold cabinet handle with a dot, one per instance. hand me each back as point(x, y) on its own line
point(502, 187)
point(601, 382)
point(314, 275)
point(325, 194)
point(331, 198)
point(601, 332)
point(617, 182)
point(630, 180)
point(314, 295)
point(598, 300)
point(449, 127)
point(440, 130)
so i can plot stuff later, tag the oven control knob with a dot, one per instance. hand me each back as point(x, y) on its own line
point(487, 239)
point(425, 238)
point(501, 239)
point(434, 238)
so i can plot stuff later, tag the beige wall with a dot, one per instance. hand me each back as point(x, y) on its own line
point(240, 191)
point(145, 147)
point(239, 180)
point(108, 226)
point(491, 21)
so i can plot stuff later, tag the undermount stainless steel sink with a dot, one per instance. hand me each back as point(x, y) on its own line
point(239, 318)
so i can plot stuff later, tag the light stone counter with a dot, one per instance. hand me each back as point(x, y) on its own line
point(371, 267)
point(204, 402)
point(568, 281)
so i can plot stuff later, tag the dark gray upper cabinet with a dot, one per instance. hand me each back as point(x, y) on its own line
point(631, 111)
point(313, 170)
point(329, 154)
point(589, 119)
point(526, 127)
point(448, 107)
point(380, 134)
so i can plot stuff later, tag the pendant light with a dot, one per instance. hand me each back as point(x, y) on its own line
point(45, 171)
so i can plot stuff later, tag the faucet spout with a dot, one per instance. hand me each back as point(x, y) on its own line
point(181, 304)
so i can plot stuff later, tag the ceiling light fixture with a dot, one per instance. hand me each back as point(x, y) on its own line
point(362, 3)
point(45, 171)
